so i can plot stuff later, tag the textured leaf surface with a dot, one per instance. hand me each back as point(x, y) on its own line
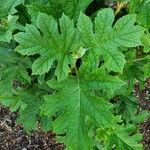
point(52, 7)
point(28, 103)
point(75, 105)
point(144, 15)
point(146, 42)
point(135, 69)
point(146, 67)
point(127, 106)
point(13, 102)
point(105, 39)
point(85, 61)
point(51, 45)
point(12, 68)
point(120, 139)
point(7, 27)
point(33, 103)
point(7, 7)
point(72, 8)
point(55, 8)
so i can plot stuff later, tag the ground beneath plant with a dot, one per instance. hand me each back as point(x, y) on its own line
point(13, 137)
point(143, 97)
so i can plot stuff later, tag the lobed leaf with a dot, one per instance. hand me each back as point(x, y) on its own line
point(106, 38)
point(74, 102)
point(51, 44)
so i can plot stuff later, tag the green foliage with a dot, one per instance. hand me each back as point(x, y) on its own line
point(146, 42)
point(76, 103)
point(13, 68)
point(74, 74)
point(55, 8)
point(7, 7)
point(144, 15)
point(105, 40)
point(7, 27)
point(51, 45)
point(119, 136)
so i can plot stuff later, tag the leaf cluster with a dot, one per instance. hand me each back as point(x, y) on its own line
point(74, 74)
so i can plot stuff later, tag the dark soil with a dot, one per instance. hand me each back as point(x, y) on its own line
point(145, 129)
point(13, 137)
point(144, 103)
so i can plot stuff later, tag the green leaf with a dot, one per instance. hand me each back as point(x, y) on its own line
point(145, 39)
point(7, 27)
point(133, 71)
point(144, 15)
point(134, 6)
point(119, 138)
point(100, 80)
point(28, 116)
point(146, 67)
point(136, 69)
point(127, 107)
point(13, 68)
point(13, 102)
point(52, 7)
point(75, 105)
point(55, 8)
point(46, 123)
point(72, 8)
point(51, 45)
point(147, 70)
point(27, 102)
point(105, 39)
point(39, 1)
point(7, 7)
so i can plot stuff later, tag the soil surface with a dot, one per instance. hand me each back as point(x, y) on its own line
point(13, 137)
point(143, 97)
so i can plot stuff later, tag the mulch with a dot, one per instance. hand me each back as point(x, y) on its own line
point(13, 137)
point(143, 97)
